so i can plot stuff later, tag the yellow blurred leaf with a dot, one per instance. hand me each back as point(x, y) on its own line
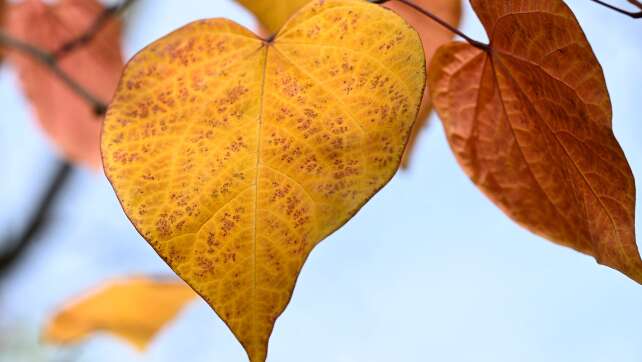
point(234, 157)
point(273, 13)
point(133, 309)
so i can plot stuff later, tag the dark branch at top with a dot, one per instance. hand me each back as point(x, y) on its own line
point(637, 3)
point(632, 14)
point(49, 60)
point(440, 21)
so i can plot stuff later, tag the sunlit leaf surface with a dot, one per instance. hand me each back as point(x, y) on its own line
point(234, 157)
point(274, 13)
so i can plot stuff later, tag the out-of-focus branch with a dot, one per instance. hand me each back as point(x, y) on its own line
point(103, 19)
point(632, 14)
point(49, 60)
point(16, 246)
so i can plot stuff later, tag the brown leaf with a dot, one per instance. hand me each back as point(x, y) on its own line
point(432, 36)
point(66, 118)
point(530, 123)
point(133, 309)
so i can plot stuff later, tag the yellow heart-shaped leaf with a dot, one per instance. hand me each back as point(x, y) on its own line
point(234, 156)
point(133, 309)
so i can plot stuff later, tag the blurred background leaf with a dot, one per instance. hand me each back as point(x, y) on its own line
point(133, 309)
point(67, 119)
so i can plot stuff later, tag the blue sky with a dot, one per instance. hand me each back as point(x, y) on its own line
point(429, 270)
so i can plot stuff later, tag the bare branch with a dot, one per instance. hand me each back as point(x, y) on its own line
point(439, 21)
point(101, 21)
point(634, 15)
point(636, 3)
point(18, 245)
point(49, 60)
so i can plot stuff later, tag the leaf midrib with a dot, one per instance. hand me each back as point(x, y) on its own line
point(595, 242)
point(259, 130)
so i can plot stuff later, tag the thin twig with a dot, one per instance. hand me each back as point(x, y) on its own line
point(637, 3)
point(49, 60)
point(101, 21)
point(632, 14)
point(16, 247)
point(440, 21)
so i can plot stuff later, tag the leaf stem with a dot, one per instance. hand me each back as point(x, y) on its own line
point(632, 14)
point(440, 21)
